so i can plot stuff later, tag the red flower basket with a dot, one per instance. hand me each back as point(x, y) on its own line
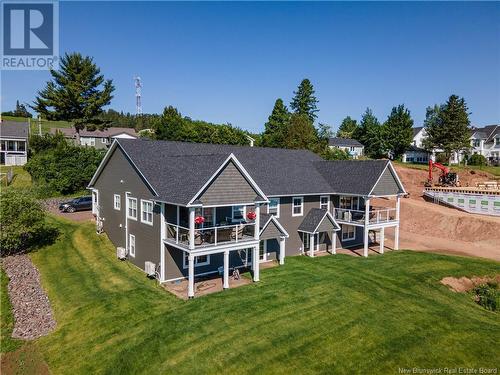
point(199, 220)
point(251, 215)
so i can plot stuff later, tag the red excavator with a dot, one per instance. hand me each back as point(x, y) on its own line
point(446, 178)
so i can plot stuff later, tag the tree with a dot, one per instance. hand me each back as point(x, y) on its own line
point(398, 131)
point(335, 154)
point(301, 133)
point(276, 126)
point(23, 225)
point(370, 134)
point(20, 111)
point(324, 132)
point(347, 128)
point(448, 126)
point(304, 102)
point(76, 93)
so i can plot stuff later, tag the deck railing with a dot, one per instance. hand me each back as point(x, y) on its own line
point(358, 216)
point(211, 236)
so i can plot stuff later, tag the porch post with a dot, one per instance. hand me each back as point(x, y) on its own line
point(334, 242)
point(226, 269)
point(162, 244)
point(191, 276)
point(396, 229)
point(282, 250)
point(365, 228)
point(191, 228)
point(257, 221)
point(255, 263)
point(311, 245)
point(382, 236)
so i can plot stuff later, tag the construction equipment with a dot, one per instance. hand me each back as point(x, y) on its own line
point(446, 178)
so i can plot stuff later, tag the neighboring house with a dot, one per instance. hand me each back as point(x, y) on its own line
point(486, 141)
point(96, 138)
point(14, 142)
point(194, 209)
point(351, 146)
point(415, 153)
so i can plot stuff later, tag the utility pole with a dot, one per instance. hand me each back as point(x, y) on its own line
point(39, 125)
point(138, 87)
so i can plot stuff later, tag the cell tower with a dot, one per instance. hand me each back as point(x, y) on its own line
point(138, 87)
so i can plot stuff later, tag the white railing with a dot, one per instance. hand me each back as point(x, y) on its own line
point(211, 236)
point(358, 216)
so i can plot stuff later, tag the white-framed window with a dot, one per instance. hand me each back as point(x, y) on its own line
point(263, 250)
point(305, 240)
point(324, 202)
point(208, 214)
point(132, 208)
point(104, 140)
point(238, 212)
point(146, 212)
point(273, 207)
point(348, 232)
point(297, 206)
point(131, 245)
point(200, 260)
point(117, 203)
point(92, 141)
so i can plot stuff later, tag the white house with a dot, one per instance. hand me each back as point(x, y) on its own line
point(14, 142)
point(351, 146)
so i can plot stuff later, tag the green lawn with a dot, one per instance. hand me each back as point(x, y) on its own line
point(7, 343)
point(22, 178)
point(46, 124)
point(329, 314)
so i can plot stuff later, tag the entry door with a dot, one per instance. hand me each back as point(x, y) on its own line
point(263, 251)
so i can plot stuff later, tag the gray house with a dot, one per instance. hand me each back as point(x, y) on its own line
point(351, 146)
point(192, 209)
point(14, 142)
point(100, 139)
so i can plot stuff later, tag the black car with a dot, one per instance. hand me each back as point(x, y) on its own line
point(77, 204)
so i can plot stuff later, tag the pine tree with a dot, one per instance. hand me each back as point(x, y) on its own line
point(398, 130)
point(301, 133)
point(276, 126)
point(304, 102)
point(370, 134)
point(347, 128)
point(76, 93)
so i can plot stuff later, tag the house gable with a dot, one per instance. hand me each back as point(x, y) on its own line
point(327, 224)
point(271, 231)
point(387, 184)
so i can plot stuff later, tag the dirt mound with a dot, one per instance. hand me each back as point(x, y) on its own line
point(464, 284)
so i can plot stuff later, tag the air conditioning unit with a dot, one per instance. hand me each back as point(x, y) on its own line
point(121, 253)
point(150, 269)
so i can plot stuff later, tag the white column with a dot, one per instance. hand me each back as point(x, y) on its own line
point(282, 250)
point(396, 229)
point(257, 221)
point(365, 228)
point(191, 276)
point(311, 245)
point(226, 270)
point(382, 236)
point(334, 242)
point(255, 263)
point(162, 244)
point(191, 228)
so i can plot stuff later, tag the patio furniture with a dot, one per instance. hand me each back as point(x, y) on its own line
point(237, 233)
point(224, 234)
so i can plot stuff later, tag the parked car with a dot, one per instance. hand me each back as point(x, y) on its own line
point(77, 204)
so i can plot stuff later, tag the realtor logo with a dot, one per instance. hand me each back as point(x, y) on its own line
point(30, 37)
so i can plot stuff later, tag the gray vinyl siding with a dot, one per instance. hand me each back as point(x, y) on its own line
point(271, 231)
point(229, 187)
point(387, 184)
point(147, 237)
point(326, 225)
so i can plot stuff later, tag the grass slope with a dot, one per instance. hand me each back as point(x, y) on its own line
point(329, 314)
point(7, 343)
point(46, 124)
point(22, 178)
point(486, 168)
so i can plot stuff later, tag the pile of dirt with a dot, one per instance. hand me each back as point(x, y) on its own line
point(33, 315)
point(464, 284)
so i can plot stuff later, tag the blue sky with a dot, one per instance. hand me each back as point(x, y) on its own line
point(228, 62)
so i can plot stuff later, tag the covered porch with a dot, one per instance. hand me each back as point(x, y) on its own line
point(316, 222)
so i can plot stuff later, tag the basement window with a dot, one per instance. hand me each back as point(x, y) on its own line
point(484, 204)
point(450, 199)
point(496, 206)
point(472, 203)
point(348, 232)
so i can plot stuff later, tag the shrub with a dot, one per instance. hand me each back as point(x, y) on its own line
point(23, 223)
point(487, 295)
point(477, 159)
point(335, 154)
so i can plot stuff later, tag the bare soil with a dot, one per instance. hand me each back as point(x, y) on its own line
point(430, 227)
point(464, 284)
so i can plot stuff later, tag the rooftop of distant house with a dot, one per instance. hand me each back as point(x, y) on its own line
point(344, 142)
point(104, 133)
point(14, 129)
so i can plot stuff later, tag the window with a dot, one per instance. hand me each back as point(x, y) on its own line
point(2, 145)
point(208, 214)
point(450, 199)
point(92, 141)
point(472, 203)
point(305, 240)
point(11, 146)
point(324, 202)
point(476, 142)
point(297, 206)
point(263, 250)
point(131, 245)
point(484, 204)
point(146, 212)
point(132, 208)
point(117, 202)
point(21, 146)
point(496, 206)
point(348, 232)
point(200, 260)
point(273, 207)
point(104, 140)
point(346, 203)
point(238, 212)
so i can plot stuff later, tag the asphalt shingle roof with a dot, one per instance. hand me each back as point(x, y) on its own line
point(108, 132)
point(312, 220)
point(416, 130)
point(276, 171)
point(14, 129)
point(335, 141)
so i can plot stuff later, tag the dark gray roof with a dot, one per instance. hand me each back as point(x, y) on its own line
point(104, 133)
point(416, 130)
point(351, 176)
point(311, 221)
point(487, 132)
point(178, 170)
point(14, 129)
point(336, 141)
point(263, 219)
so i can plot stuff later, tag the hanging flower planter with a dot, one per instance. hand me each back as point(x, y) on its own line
point(251, 215)
point(199, 220)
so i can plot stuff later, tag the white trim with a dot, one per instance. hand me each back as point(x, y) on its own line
point(278, 207)
point(327, 202)
point(196, 263)
point(348, 238)
point(130, 238)
point(242, 170)
point(301, 206)
point(398, 181)
point(115, 201)
point(277, 223)
point(129, 199)
point(216, 250)
point(306, 238)
point(152, 211)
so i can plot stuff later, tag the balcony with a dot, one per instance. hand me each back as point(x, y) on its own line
point(212, 236)
point(376, 216)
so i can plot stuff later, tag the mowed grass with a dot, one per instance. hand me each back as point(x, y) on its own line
point(332, 314)
point(46, 124)
point(7, 343)
point(22, 178)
